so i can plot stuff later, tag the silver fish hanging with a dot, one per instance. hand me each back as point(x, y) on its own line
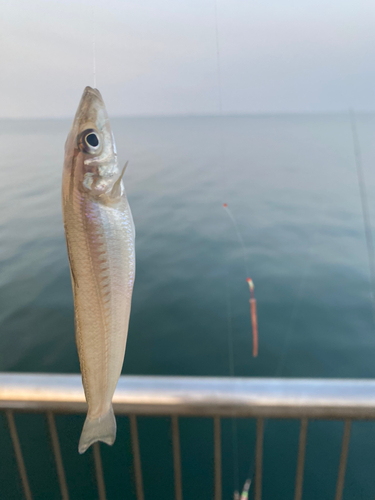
point(100, 235)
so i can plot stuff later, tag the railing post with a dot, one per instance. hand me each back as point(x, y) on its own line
point(58, 457)
point(343, 460)
point(19, 457)
point(217, 457)
point(99, 471)
point(176, 458)
point(136, 457)
point(259, 459)
point(301, 459)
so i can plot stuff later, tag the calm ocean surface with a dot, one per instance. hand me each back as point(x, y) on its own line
point(291, 184)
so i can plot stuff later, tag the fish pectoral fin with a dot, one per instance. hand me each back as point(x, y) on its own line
point(98, 429)
point(116, 189)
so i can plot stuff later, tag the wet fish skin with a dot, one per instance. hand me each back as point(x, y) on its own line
point(100, 235)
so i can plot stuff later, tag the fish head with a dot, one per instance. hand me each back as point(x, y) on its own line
point(90, 150)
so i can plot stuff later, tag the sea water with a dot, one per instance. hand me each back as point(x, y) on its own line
point(291, 184)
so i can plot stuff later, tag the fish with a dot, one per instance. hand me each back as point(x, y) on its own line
point(100, 239)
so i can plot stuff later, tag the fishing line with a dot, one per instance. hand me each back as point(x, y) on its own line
point(303, 281)
point(230, 335)
point(252, 301)
point(218, 66)
point(365, 207)
point(231, 373)
point(294, 315)
point(229, 307)
point(239, 236)
point(93, 44)
point(280, 366)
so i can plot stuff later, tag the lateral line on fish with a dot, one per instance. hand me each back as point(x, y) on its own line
point(70, 263)
point(82, 362)
point(72, 177)
point(107, 327)
point(98, 294)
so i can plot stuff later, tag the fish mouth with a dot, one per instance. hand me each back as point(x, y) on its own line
point(91, 111)
point(91, 98)
point(89, 92)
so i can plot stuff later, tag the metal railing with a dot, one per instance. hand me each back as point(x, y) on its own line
point(258, 398)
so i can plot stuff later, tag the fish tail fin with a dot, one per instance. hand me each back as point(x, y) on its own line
point(98, 429)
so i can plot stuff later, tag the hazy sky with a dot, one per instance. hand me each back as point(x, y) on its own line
point(159, 56)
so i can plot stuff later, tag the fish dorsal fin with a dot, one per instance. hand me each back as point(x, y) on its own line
point(116, 189)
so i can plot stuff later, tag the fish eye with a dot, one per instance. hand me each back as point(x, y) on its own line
point(92, 140)
point(89, 141)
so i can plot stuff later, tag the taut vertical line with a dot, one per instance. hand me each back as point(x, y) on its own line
point(218, 60)
point(365, 209)
point(239, 236)
point(217, 424)
point(231, 373)
point(93, 44)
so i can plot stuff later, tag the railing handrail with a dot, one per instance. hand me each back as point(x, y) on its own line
point(220, 396)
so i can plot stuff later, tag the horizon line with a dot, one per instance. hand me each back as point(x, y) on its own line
point(201, 115)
